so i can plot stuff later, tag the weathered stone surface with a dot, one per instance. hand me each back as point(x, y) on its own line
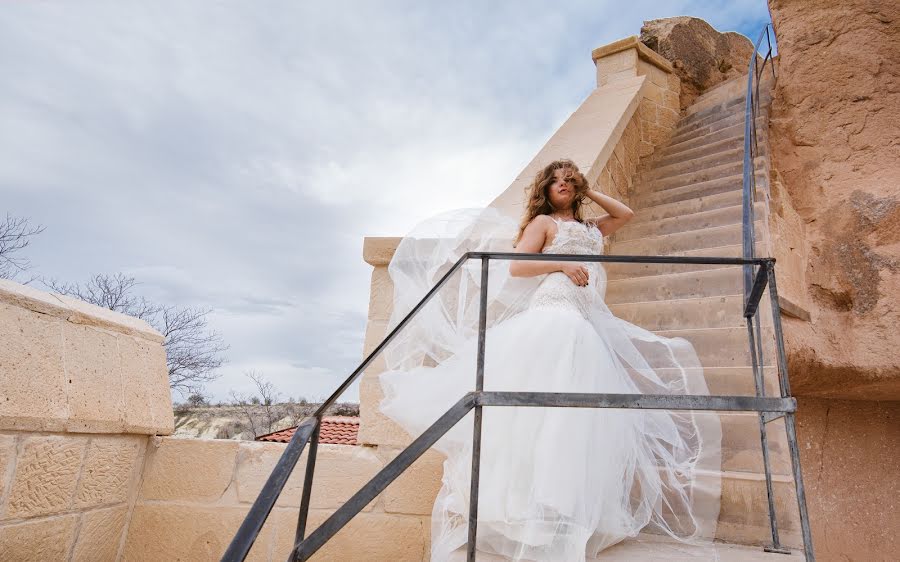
point(7, 457)
point(378, 250)
point(73, 310)
point(93, 379)
point(188, 469)
point(164, 531)
point(46, 475)
point(414, 491)
point(99, 535)
point(145, 383)
point(368, 536)
point(109, 465)
point(38, 541)
point(836, 151)
point(381, 294)
point(341, 470)
point(32, 374)
point(849, 451)
point(701, 56)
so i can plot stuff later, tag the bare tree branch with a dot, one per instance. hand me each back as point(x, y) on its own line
point(193, 351)
point(15, 235)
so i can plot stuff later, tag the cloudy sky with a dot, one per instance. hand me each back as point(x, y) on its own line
point(234, 155)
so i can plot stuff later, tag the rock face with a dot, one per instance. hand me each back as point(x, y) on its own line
point(702, 56)
point(833, 134)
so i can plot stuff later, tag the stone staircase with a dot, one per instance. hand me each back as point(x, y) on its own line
point(688, 202)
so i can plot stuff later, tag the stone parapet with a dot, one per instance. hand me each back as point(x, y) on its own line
point(68, 366)
point(196, 492)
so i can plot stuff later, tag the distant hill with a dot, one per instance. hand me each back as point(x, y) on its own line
point(247, 421)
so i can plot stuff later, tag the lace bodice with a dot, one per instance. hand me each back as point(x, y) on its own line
point(556, 289)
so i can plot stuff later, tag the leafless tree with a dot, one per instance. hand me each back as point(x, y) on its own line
point(15, 235)
point(193, 351)
point(261, 409)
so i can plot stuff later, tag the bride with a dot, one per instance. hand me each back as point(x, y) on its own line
point(556, 484)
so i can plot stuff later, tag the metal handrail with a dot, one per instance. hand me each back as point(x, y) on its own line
point(768, 408)
point(751, 151)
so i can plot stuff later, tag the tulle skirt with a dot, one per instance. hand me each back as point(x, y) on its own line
point(556, 484)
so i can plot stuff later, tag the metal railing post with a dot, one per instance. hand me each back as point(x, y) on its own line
point(307, 488)
point(790, 429)
point(476, 431)
point(756, 356)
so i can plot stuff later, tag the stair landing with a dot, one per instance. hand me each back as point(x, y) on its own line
point(654, 548)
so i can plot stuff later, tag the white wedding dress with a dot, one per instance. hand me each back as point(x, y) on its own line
point(562, 484)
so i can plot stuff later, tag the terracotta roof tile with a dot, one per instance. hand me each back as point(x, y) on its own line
point(340, 430)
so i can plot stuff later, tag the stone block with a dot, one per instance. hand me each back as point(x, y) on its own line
point(659, 77)
point(374, 427)
point(618, 76)
point(165, 531)
point(381, 294)
point(46, 475)
point(32, 371)
point(673, 83)
point(378, 250)
point(654, 93)
point(670, 100)
point(145, 382)
point(341, 470)
point(654, 133)
point(81, 312)
point(646, 148)
point(7, 457)
point(93, 378)
point(376, 537)
point(647, 110)
point(666, 117)
point(42, 540)
point(99, 535)
point(414, 491)
point(109, 465)
point(375, 332)
point(188, 469)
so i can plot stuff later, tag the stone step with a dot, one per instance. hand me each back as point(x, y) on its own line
point(742, 448)
point(616, 271)
point(701, 312)
point(724, 139)
point(730, 89)
point(692, 284)
point(648, 198)
point(738, 381)
point(733, 104)
point(687, 165)
point(724, 347)
point(648, 547)
point(744, 509)
point(693, 221)
point(699, 157)
point(729, 109)
point(721, 92)
point(711, 237)
point(698, 174)
point(688, 206)
point(713, 126)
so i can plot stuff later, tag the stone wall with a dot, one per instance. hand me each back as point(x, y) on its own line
point(833, 136)
point(833, 132)
point(82, 387)
point(848, 450)
point(195, 493)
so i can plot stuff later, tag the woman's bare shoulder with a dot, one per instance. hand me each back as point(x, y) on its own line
point(541, 221)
